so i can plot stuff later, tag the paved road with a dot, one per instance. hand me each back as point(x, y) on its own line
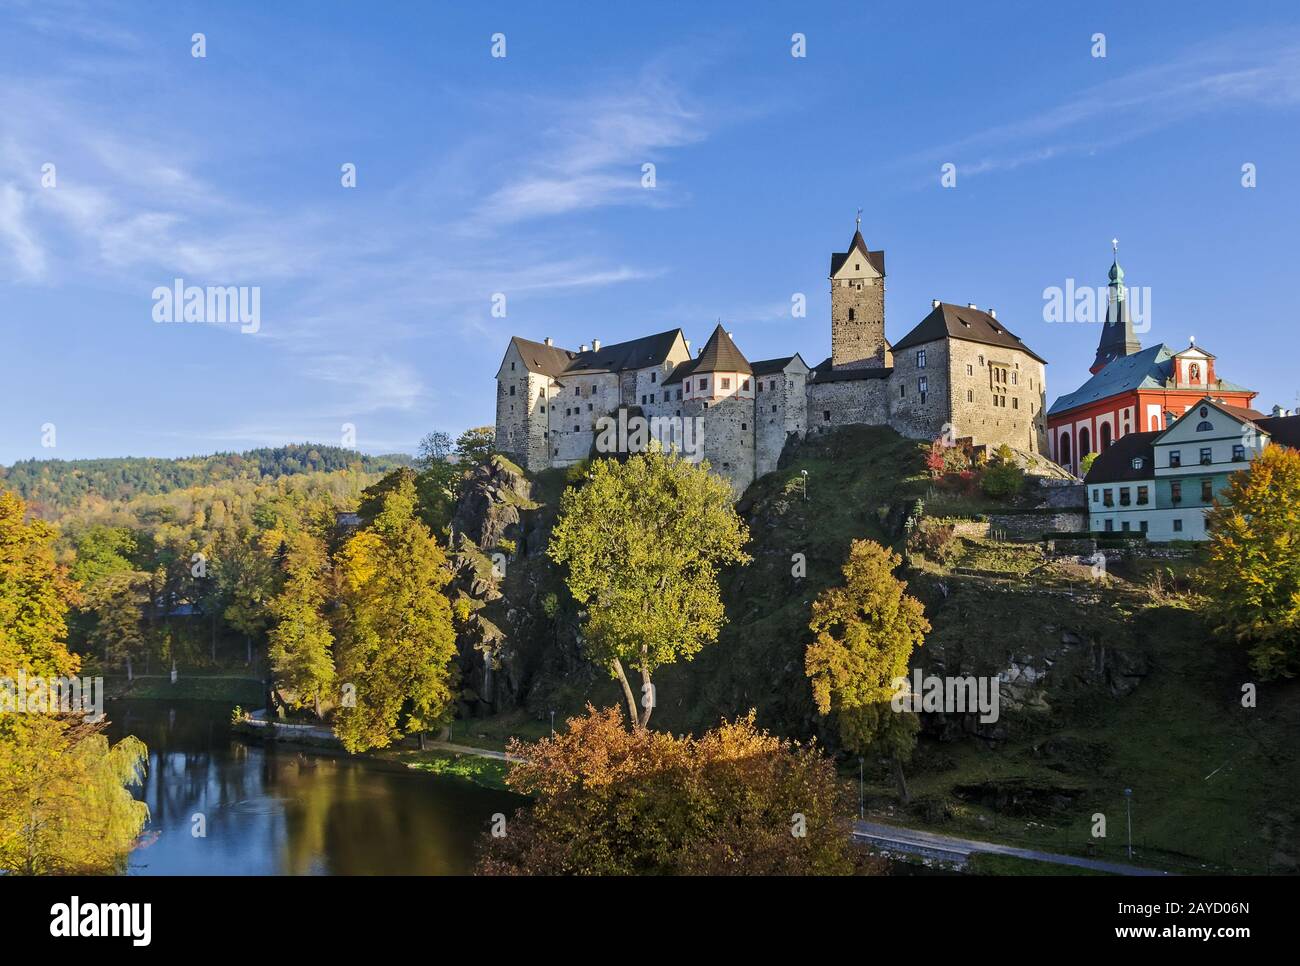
point(953, 849)
point(470, 750)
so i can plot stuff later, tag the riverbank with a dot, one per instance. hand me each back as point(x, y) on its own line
point(234, 689)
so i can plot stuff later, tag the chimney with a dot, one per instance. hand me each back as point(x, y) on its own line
point(731, 335)
point(970, 305)
point(934, 303)
point(993, 313)
point(1278, 410)
point(688, 347)
point(549, 341)
point(583, 348)
point(595, 345)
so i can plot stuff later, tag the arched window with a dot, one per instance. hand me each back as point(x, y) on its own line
point(1105, 437)
point(852, 314)
point(1084, 440)
point(1065, 449)
point(1205, 426)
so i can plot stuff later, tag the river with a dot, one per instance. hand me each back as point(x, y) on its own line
point(279, 810)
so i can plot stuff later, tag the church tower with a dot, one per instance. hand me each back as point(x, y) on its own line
point(1117, 336)
point(858, 306)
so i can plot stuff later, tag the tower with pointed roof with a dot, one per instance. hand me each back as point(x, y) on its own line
point(1117, 336)
point(858, 306)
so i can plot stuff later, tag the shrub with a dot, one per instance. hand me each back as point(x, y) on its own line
point(1002, 480)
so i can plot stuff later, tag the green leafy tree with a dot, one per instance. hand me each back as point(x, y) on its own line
point(300, 641)
point(643, 541)
point(1252, 572)
point(1086, 463)
point(395, 640)
point(865, 632)
point(119, 602)
point(476, 445)
point(1003, 477)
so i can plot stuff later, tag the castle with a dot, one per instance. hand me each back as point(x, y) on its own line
point(958, 374)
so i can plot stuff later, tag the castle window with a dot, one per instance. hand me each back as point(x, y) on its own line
point(654, 376)
point(679, 394)
point(826, 416)
point(1108, 497)
point(981, 362)
point(1125, 498)
point(744, 426)
point(902, 392)
point(1207, 456)
point(1175, 458)
point(1013, 378)
point(512, 390)
point(922, 385)
point(970, 395)
point(1178, 526)
point(704, 385)
point(1207, 491)
point(643, 399)
point(920, 358)
point(1015, 402)
point(773, 407)
point(726, 383)
point(512, 367)
point(852, 315)
point(771, 384)
point(1238, 452)
point(1096, 495)
point(746, 385)
point(577, 429)
point(1142, 496)
point(970, 370)
point(652, 397)
point(1176, 492)
point(588, 407)
point(1205, 426)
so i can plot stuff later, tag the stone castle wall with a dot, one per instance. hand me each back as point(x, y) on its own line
point(860, 341)
point(847, 403)
point(1020, 422)
point(778, 412)
point(916, 412)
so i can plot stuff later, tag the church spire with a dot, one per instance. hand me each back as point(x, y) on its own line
point(1117, 336)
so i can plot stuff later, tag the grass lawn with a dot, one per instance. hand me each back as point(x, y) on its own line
point(488, 772)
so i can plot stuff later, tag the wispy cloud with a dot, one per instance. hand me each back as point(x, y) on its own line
point(1232, 72)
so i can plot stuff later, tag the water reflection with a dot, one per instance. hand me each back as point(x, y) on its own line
point(272, 810)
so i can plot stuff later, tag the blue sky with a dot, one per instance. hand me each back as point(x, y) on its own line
point(522, 175)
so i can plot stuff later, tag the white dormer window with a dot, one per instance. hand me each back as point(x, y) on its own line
point(1137, 462)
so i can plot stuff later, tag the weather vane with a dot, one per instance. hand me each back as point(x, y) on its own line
point(859, 219)
point(1114, 245)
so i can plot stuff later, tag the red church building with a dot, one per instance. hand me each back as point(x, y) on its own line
point(1132, 389)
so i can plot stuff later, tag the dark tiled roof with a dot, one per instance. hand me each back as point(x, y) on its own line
point(825, 372)
point(971, 325)
point(718, 355)
point(1282, 429)
point(681, 372)
point(1116, 464)
point(769, 366)
point(876, 259)
point(1249, 415)
point(650, 350)
point(549, 360)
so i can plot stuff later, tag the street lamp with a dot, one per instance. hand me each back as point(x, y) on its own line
point(552, 724)
point(1128, 809)
point(861, 791)
point(804, 474)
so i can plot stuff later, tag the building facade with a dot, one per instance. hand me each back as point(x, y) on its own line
point(1161, 483)
point(958, 374)
point(1132, 390)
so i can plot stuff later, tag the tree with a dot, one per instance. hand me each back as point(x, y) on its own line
point(435, 448)
point(245, 575)
point(476, 445)
point(300, 641)
point(613, 801)
point(119, 601)
point(643, 541)
point(1252, 572)
point(865, 632)
point(1003, 477)
point(64, 806)
point(395, 641)
point(1086, 463)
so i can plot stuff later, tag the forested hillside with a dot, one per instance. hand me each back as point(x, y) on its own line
point(51, 488)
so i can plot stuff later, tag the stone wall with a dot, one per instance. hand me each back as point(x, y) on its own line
point(1019, 423)
point(778, 413)
point(598, 396)
point(849, 402)
point(728, 434)
point(860, 342)
point(915, 413)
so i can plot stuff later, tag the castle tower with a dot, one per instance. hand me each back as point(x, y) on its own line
point(1117, 336)
point(858, 307)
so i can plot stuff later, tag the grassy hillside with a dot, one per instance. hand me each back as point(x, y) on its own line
point(1137, 693)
